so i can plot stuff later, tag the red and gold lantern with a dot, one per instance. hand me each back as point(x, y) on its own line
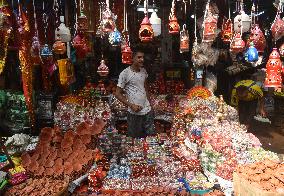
point(82, 23)
point(146, 32)
point(103, 69)
point(210, 27)
point(237, 44)
point(273, 70)
point(81, 46)
point(277, 28)
point(126, 55)
point(258, 39)
point(173, 24)
point(59, 47)
point(227, 31)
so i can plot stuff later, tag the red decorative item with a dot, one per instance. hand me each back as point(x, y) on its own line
point(146, 32)
point(210, 27)
point(237, 44)
point(273, 70)
point(103, 69)
point(81, 46)
point(227, 31)
point(173, 24)
point(277, 28)
point(126, 55)
point(59, 46)
point(258, 39)
point(82, 23)
point(281, 50)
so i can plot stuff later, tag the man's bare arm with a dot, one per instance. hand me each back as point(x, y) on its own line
point(119, 95)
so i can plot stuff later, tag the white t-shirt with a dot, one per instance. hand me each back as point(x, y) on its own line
point(133, 84)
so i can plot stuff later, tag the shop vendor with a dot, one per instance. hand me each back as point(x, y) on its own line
point(245, 96)
point(133, 83)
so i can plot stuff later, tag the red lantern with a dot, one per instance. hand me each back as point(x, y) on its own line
point(173, 24)
point(146, 32)
point(82, 23)
point(103, 69)
point(184, 40)
point(81, 46)
point(277, 28)
point(227, 31)
point(258, 39)
point(210, 27)
point(126, 55)
point(273, 70)
point(237, 44)
point(281, 50)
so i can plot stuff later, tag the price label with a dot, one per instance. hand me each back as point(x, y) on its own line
point(199, 74)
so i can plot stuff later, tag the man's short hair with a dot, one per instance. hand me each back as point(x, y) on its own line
point(137, 49)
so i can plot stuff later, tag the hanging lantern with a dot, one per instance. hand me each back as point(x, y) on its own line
point(103, 69)
point(82, 22)
point(146, 33)
point(281, 50)
point(273, 70)
point(108, 18)
point(63, 31)
point(251, 54)
point(126, 55)
point(66, 71)
point(173, 23)
point(227, 31)
point(35, 49)
point(277, 28)
point(59, 47)
point(81, 46)
point(237, 44)
point(114, 37)
point(258, 39)
point(156, 23)
point(46, 52)
point(242, 23)
point(210, 27)
point(184, 40)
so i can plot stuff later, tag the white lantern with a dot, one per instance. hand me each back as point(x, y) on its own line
point(62, 31)
point(156, 23)
point(242, 21)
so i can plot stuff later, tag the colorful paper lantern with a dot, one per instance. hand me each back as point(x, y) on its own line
point(156, 24)
point(227, 31)
point(242, 22)
point(210, 27)
point(184, 40)
point(277, 28)
point(126, 54)
point(237, 44)
point(146, 32)
point(273, 70)
point(103, 69)
point(281, 50)
point(59, 47)
point(251, 53)
point(82, 22)
point(258, 38)
point(114, 37)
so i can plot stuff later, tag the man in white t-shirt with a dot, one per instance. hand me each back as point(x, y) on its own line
point(132, 82)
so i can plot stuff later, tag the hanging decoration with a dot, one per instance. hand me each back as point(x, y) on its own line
point(82, 20)
point(281, 50)
point(209, 25)
point(251, 54)
point(242, 21)
point(46, 52)
point(237, 44)
point(25, 62)
point(273, 70)
point(277, 27)
point(100, 31)
point(35, 49)
point(79, 42)
point(62, 31)
point(227, 31)
point(184, 40)
point(173, 23)
point(59, 47)
point(126, 53)
point(103, 69)
point(114, 37)
point(66, 71)
point(146, 32)
point(156, 22)
point(258, 38)
point(108, 19)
